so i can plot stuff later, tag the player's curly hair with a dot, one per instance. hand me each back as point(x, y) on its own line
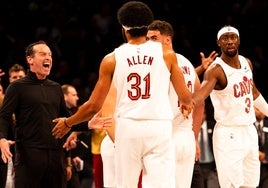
point(135, 15)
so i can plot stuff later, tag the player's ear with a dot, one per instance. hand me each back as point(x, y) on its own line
point(168, 40)
point(218, 43)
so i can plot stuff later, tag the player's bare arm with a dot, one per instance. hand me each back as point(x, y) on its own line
point(255, 91)
point(197, 114)
point(177, 78)
point(108, 109)
point(213, 79)
point(87, 110)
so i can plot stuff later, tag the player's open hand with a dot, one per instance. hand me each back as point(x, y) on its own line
point(98, 122)
point(206, 61)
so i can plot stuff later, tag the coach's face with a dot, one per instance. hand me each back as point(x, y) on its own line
point(41, 61)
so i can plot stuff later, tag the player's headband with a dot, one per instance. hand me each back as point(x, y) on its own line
point(227, 29)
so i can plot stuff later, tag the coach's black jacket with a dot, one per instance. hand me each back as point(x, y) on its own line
point(35, 104)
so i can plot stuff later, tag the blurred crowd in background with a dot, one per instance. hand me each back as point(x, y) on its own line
point(81, 32)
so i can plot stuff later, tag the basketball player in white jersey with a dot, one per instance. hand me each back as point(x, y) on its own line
point(162, 31)
point(107, 148)
point(185, 131)
point(229, 82)
point(141, 71)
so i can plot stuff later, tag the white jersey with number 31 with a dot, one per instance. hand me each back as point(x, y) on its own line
point(142, 82)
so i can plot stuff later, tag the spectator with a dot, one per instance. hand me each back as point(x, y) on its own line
point(80, 156)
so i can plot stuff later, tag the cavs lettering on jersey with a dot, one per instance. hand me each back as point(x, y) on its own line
point(238, 93)
point(142, 82)
point(189, 76)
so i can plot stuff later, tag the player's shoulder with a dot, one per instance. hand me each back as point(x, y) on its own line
point(183, 59)
point(181, 56)
point(245, 60)
point(215, 68)
point(108, 62)
point(110, 57)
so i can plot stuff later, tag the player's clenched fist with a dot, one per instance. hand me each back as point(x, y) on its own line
point(186, 109)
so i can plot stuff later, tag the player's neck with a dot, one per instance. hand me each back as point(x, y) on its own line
point(138, 40)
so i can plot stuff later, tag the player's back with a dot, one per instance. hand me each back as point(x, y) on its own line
point(142, 81)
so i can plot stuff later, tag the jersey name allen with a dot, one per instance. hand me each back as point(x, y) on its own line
point(137, 60)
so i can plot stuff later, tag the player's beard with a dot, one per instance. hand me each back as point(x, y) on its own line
point(231, 54)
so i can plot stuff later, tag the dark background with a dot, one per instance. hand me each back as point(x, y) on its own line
point(79, 39)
